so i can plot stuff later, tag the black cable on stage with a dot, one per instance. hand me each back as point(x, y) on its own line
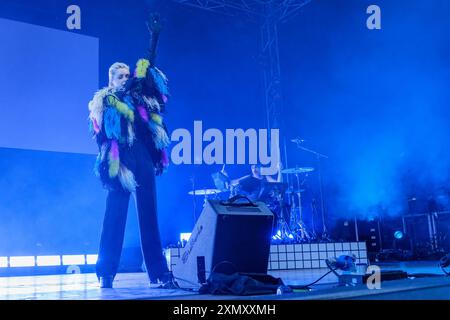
point(172, 284)
point(185, 289)
point(312, 283)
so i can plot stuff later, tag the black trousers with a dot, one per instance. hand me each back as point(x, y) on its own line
point(139, 161)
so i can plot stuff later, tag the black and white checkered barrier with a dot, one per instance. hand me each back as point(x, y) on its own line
point(313, 255)
point(298, 256)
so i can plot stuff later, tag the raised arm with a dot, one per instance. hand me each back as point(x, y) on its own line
point(154, 27)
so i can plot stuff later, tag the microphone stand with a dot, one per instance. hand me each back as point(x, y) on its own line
point(194, 205)
point(325, 236)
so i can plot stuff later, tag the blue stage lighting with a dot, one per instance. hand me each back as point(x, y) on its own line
point(73, 259)
point(91, 258)
point(3, 262)
point(398, 234)
point(22, 261)
point(42, 261)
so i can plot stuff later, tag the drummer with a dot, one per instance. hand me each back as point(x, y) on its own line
point(252, 185)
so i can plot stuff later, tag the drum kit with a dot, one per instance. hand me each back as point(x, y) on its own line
point(283, 199)
point(291, 227)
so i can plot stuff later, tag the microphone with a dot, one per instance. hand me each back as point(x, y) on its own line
point(297, 140)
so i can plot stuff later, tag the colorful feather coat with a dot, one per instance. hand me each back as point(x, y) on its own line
point(112, 118)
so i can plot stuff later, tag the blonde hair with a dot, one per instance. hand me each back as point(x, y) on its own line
point(113, 69)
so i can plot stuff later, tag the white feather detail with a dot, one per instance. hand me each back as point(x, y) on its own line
point(161, 74)
point(152, 103)
point(126, 178)
point(131, 135)
point(161, 138)
point(103, 151)
point(96, 106)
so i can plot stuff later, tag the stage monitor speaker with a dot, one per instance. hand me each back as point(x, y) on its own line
point(226, 239)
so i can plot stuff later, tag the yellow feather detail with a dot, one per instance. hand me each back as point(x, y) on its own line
point(113, 168)
point(111, 100)
point(157, 118)
point(121, 107)
point(141, 68)
point(125, 110)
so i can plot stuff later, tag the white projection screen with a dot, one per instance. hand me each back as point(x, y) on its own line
point(47, 78)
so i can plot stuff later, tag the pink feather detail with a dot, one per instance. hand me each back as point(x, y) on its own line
point(114, 149)
point(164, 97)
point(96, 127)
point(164, 158)
point(143, 113)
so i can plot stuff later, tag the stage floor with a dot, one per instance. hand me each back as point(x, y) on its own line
point(135, 286)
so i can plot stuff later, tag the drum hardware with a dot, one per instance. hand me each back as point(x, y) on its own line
point(313, 214)
point(325, 236)
point(297, 170)
point(204, 192)
point(296, 213)
point(283, 232)
point(276, 191)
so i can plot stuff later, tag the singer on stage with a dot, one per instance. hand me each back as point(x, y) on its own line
point(126, 120)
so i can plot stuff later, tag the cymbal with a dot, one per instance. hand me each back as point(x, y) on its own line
point(204, 192)
point(297, 170)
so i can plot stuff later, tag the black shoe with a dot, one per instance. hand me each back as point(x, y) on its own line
point(106, 282)
point(162, 278)
point(169, 285)
point(166, 281)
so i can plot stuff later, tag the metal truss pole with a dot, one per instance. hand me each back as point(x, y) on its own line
point(269, 13)
point(271, 70)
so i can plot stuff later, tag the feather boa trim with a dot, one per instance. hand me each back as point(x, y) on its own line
point(141, 68)
point(98, 112)
point(113, 159)
point(126, 178)
point(96, 107)
point(155, 123)
point(152, 104)
point(115, 168)
point(122, 107)
point(160, 136)
point(111, 119)
point(159, 78)
point(157, 118)
point(164, 158)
